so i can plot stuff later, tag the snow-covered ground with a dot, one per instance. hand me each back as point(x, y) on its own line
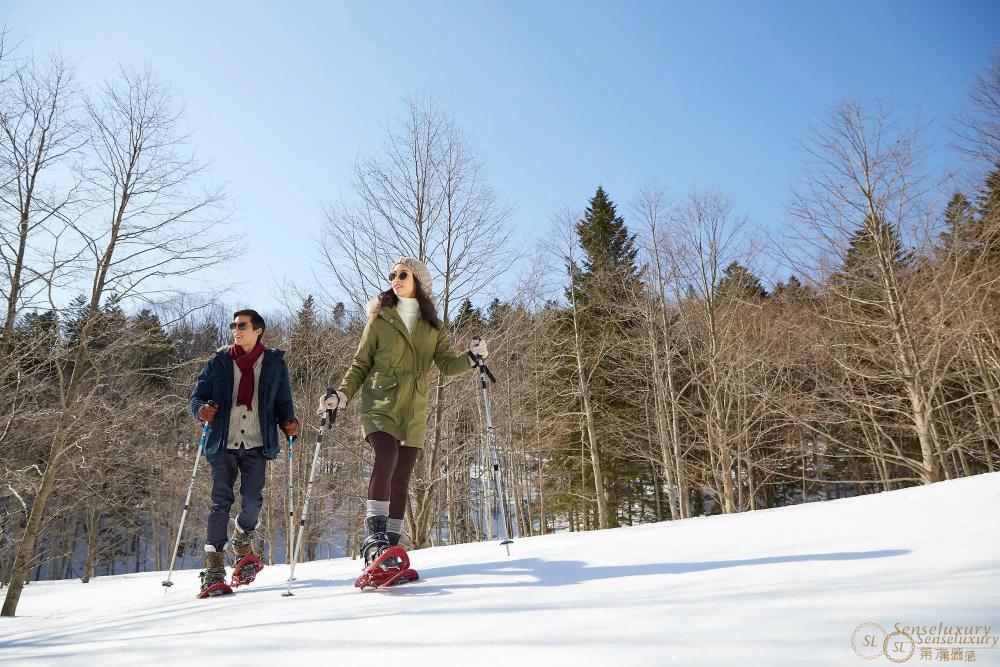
point(788, 586)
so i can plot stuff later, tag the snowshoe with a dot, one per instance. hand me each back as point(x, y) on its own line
point(404, 575)
point(213, 577)
point(246, 570)
point(248, 563)
point(401, 577)
point(390, 566)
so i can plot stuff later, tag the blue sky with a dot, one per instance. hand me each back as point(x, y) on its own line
point(556, 97)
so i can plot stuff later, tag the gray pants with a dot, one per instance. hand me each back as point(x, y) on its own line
point(250, 464)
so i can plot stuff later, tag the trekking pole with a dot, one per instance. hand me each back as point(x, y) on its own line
point(331, 416)
point(498, 489)
point(187, 502)
point(291, 512)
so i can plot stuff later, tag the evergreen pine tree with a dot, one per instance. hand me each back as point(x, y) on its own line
point(340, 316)
point(110, 323)
point(988, 202)
point(791, 290)
point(73, 320)
point(468, 317)
point(861, 256)
point(987, 223)
point(738, 282)
point(860, 279)
point(608, 272)
point(154, 351)
point(37, 338)
point(303, 341)
point(606, 243)
point(497, 311)
point(958, 220)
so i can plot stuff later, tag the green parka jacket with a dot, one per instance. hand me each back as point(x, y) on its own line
point(390, 367)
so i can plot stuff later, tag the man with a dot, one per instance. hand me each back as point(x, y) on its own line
point(243, 392)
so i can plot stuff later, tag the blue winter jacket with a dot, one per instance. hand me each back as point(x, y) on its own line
point(274, 400)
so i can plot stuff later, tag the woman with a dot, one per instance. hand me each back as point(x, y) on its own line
point(402, 337)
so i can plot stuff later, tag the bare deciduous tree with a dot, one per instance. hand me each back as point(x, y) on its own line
point(863, 185)
point(705, 237)
point(39, 136)
point(978, 127)
point(149, 228)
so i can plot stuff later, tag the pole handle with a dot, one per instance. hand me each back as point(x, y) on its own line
point(478, 361)
point(331, 415)
point(204, 433)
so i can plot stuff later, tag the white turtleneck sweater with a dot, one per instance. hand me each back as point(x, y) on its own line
point(408, 309)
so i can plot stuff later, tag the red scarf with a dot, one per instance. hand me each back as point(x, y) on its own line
point(246, 361)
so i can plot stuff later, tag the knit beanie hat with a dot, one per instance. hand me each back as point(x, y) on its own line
point(420, 272)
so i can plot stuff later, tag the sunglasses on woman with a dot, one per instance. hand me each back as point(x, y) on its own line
point(242, 326)
point(403, 275)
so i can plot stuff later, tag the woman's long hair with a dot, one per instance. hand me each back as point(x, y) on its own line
point(427, 309)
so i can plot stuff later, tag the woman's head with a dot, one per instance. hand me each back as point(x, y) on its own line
point(417, 276)
point(409, 278)
point(402, 281)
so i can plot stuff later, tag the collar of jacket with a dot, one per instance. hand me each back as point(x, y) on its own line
point(270, 354)
point(391, 315)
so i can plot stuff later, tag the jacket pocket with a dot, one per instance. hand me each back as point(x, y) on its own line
point(379, 393)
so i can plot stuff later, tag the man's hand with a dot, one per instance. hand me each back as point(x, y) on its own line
point(291, 428)
point(207, 412)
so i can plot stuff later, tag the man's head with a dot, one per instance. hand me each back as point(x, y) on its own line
point(247, 327)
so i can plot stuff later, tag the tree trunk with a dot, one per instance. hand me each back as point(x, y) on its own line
point(92, 524)
point(24, 553)
point(588, 413)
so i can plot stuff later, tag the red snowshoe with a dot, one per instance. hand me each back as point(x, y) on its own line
point(390, 568)
point(246, 570)
point(404, 576)
point(215, 590)
point(213, 577)
point(248, 563)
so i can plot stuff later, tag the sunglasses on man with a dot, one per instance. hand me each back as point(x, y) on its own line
point(403, 275)
point(242, 326)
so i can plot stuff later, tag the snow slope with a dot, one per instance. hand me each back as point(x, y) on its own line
point(786, 586)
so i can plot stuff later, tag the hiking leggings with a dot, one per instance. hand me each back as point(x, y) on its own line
point(390, 478)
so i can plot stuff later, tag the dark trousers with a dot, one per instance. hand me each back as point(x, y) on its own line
point(390, 478)
point(250, 464)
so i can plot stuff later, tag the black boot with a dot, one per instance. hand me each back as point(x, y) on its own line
point(394, 539)
point(377, 540)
